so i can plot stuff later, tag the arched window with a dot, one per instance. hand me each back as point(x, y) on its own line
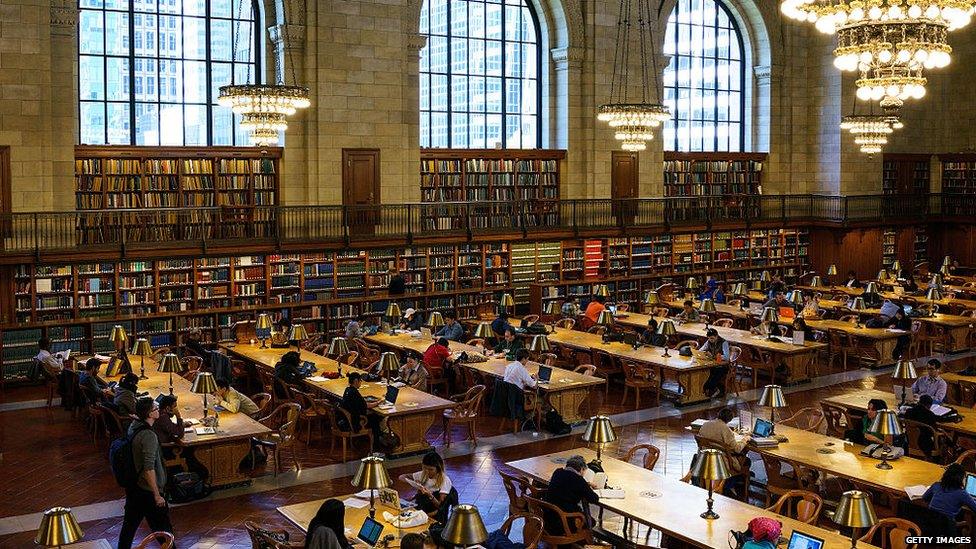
point(149, 70)
point(479, 74)
point(704, 85)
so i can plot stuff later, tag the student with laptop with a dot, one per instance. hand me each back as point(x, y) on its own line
point(949, 495)
point(327, 530)
point(688, 312)
point(431, 482)
point(516, 374)
point(413, 373)
point(763, 533)
point(718, 349)
point(900, 321)
point(412, 320)
point(357, 406)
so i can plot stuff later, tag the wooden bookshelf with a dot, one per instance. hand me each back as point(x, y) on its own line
point(906, 173)
point(713, 174)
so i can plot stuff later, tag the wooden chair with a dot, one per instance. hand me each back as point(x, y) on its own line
point(572, 527)
point(941, 442)
point(736, 463)
point(890, 533)
point(839, 347)
point(808, 419)
point(531, 529)
point(640, 377)
point(313, 411)
point(262, 400)
point(549, 359)
point(723, 323)
point(465, 411)
point(623, 307)
point(968, 461)
point(650, 458)
point(585, 369)
point(663, 312)
point(761, 360)
point(262, 538)
point(284, 422)
point(598, 330)
point(778, 482)
point(476, 342)
point(529, 319)
point(915, 342)
point(517, 487)
point(717, 485)
point(606, 366)
point(852, 319)
point(349, 358)
point(799, 505)
point(191, 365)
point(347, 437)
point(731, 378)
point(838, 419)
point(368, 354)
point(566, 323)
point(163, 539)
point(267, 381)
point(734, 303)
point(689, 342)
point(436, 380)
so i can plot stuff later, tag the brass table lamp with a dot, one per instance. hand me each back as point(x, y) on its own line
point(506, 302)
point(691, 284)
point(142, 349)
point(168, 364)
point(772, 397)
point(937, 281)
point(854, 510)
point(739, 289)
point(947, 261)
point(58, 527)
point(885, 424)
point(389, 363)
point(946, 270)
point(871, 287)
point(816, 281)
point(764, 276)
point(933, 295)
point(539, 344)
point(904, 372)
point(435, 321)
point(832, 270)
point(883, 275)
point(769, 316)
point(372, 476)
point(601, 291)
point(651, 298)
point(118, 337)
point(262, 329)
point(483, 330)
point(709, 465)
point(706, 306)
point(599, 431)
point(204, 384)
point(667, 329)
point(338, 347)
point(465, 527)
point(795, 297)
point(393, 316)
point(857, 305)
point(297, 333)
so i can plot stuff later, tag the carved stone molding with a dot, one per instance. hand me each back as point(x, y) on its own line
point(763, 74)
point(291, 36)
point(415, 43)
point(564, 58)
point(64, 17)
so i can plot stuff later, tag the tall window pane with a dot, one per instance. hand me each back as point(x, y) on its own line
point(467, 41)
point(149, 70)
point(703, 85)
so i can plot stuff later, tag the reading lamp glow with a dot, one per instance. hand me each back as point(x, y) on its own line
point(667, 329)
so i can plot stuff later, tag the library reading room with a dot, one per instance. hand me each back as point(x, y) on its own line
point(488, 274)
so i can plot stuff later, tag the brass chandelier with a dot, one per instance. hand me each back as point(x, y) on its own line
point(888, 42)
point(633, 122)
point(264, 108)
point(871, 130)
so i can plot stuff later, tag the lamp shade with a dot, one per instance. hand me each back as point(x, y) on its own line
point(937, 281)
point(204, 384)
point(170, 363)
point(706, 306)
point(393, 310)
point(772, 396)
point(946, 261)
point(372, 474)
point(605, 318)
point(58, 527)
point(550, 308)
point(297, 333)
point(651, 298)
point(666, 327)
point(871, 288)
point(599, 430)
point(770, 314)
point(854, 510)
point(507, 300)
point(832, 270)
point(882, 275)
point(934, 294)
point(756, 284)
point(886, 423)
point(601, 290)
point(709, 465)
point(118, 337)
point(338, 346)
point(896, 266)
point(945, 270)
point(816, 282)
point(764, 276)
point(857, 304)
point(692, 283)
point(540, 344)
point(465, 527)
point(141, 347)
point(739, 289)
point(264, 322)
point(795, 297)
point(436, 319)
point(389, 362)
point(483, 330)
point(904, 370)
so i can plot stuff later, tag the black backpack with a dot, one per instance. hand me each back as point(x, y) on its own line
point(553, 422)
point(123, 461)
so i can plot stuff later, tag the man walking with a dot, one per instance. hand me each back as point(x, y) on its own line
point(144, 499)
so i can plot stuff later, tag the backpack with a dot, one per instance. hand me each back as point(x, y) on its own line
point(554, 423)
point(186, 487)
point(123, 461)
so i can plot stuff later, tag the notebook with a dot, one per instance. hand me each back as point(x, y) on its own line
point(800, 540)
point(370, 532)
point(545, 373)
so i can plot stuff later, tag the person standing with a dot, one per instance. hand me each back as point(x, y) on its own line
point(398, 286)
point(144, 500)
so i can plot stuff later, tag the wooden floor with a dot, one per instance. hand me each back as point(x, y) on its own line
point(49, 459)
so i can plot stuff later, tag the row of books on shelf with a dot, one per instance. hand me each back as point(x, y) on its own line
point(712, 166)
point(157, 166)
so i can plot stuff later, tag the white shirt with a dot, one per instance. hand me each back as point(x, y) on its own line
point(516, 374)
point(718, 431)
point(443, 488)
point(52, 363)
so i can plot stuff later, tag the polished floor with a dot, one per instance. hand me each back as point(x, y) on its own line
point(49, 459)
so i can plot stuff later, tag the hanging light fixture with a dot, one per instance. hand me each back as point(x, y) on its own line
point(871, 130)
point(633, 122)
point(264, 108)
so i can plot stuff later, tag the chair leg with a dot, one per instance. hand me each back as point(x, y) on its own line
point(447, 433)
point(343, 449)
point(626, 389)
point(637, 398)
point(294, 457)
point(473, 432)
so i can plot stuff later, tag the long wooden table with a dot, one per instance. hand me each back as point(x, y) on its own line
point(944, 302)
point(220, 453)
point(689, 373)
point(410, 419)
point(858, 400)
point(673, 506)
point(957, 326)
point(301, 514)
point(566, 391)
point(798, 358)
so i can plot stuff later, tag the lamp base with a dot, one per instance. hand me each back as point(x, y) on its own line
point(710, 515)
point(884, 465)
point(665, 352)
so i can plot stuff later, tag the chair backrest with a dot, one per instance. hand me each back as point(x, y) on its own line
point(775, 476)
point(661, 311)
point(849, 318)
point(244, 331)
point(808, 419)
point(262, 538)
point(348, 358)
point(163, 539)
point(471, 402)
point(650, 458)
point(968, 461)
point(587, 369)
point(572, 527)
point(734, 353)
point(598, 330)
point(517, 487)
point(262, 400)
point(529, 319)
point(723, 322)
point(914, 431)
point(531, 529)
point(836, 417)
point(623, 307)
point(567, 323)
point(717, 485)
point(476, 342)
point(689, 342)
point(549, 358)
point(890, 533)
point(800, 505)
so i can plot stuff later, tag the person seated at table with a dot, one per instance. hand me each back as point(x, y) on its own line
point(452, 329)
point(169, 427)
point(718, 296)
point(910, 286)
point(567, 490)
point(413, 373)
point(861, 433)
point(516, 374)
point(353, 329)
point(595, 307)
point(436, 357)
point(357, 406)
point(500, 324)
point(800, 325)
point(709, 292)
point(900, 321)
point(776, 301)
point(234, 401)
point(194, 345)
point(287, 370)
point(88, 379)
point(932, 383)
point(688, 312)
point(852, 281)
point(922, 412)
point(125, 395)
point(650, 336)
point(776, 286)
point(718, 430)
point(872, 300)
point(51, 364)
point(571, 308)
point(432, 483)
point(949, 495)
point(508, 345)
point(327, 530)
point(412, 320)
point(764, 533)
point(811, 305)
point(770, 329)
point(718, 348)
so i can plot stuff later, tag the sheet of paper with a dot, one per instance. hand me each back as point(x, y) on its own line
point(940, 410)
point(356, 503)
point(916, 492)
point(608, 493)
point(363, 494)
point(316, 379)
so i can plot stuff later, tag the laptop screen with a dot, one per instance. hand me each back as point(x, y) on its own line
point(391, 394)
point(370, 531)
point(545, 373)
point(762, 428)
point(799, 540)
point(971, 484)
point(613, 309)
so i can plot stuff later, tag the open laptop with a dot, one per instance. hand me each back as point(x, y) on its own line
point(545, 373)
point(369, 532)
point(391, 394)
point(762, 432)
point(971, 484)
point(801, 540)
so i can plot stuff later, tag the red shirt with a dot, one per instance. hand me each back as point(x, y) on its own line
point(434, 358)
point(593, 310)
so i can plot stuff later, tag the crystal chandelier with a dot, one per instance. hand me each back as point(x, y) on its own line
point(264, 108)
point(871, 131)
point(633, 122)
point(888, 42)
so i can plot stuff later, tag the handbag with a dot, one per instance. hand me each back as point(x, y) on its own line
point(186, 487)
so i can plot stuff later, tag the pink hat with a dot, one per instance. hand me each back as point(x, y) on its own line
point(763, 528)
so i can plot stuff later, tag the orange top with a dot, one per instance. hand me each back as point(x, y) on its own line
point(593, 310)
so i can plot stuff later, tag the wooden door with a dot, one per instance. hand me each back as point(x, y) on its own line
point(361, 189)
point(624, 184)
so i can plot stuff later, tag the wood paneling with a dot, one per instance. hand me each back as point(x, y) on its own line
point(858, 250)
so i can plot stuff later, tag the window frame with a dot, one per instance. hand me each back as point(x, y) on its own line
point(449, 75)
point(129, 59)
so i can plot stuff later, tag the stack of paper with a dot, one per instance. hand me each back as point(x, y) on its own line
point(916, 492)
